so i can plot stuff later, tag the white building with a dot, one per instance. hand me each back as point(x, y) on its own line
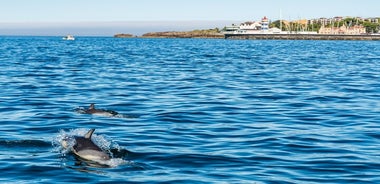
point(253, 27)
point(264, 23)
point(250, 26)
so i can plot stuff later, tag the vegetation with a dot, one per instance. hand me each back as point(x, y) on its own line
point(296, 26)
point(205, 33)
point(371, 27)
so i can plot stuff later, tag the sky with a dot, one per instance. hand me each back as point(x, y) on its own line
point(104, 17)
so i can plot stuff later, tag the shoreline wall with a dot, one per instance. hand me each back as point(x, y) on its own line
point(300, 37)
point(184, 34)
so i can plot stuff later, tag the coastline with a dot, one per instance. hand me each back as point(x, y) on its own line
point(256, 36)
point(205, 33)
point(208, 34)
point(346, 28)
point(301, 37)
point(187, 34)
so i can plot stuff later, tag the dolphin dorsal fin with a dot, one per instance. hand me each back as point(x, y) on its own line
point(92, 106)
point(89, 133)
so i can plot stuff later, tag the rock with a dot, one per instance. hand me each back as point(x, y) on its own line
point(122, 35)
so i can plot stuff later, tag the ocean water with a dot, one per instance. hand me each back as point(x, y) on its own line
point(192, 110)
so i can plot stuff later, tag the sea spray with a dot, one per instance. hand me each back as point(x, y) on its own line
point(100, 140)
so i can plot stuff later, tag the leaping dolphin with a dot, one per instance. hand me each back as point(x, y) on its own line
point(86, 149)
point(92, 110)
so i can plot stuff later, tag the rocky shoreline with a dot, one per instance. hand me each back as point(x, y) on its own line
point(189, 34)
point(123, 35)
point(209, 33)
point(216, 34)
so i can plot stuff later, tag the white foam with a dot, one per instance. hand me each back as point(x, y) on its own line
point(113, 162)
point(64, 142)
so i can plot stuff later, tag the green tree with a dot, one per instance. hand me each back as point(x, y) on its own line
point(314, 27)
point(371, 27)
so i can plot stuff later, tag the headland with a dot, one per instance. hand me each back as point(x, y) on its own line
point(337, 28)
point(205, 33)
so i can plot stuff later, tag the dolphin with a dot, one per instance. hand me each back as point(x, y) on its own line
point(86, 149)
point(92, 110)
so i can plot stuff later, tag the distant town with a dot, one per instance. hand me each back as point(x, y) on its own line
point(331, 26)
point(336, 28)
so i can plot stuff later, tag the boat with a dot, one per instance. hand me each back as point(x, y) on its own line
point(69, 37)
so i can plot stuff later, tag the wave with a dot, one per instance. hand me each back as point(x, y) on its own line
point(25, 143)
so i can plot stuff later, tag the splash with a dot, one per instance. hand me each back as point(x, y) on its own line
point(80, 110)
point(64, 142)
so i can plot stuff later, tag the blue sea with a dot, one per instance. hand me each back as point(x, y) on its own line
point(191, 110)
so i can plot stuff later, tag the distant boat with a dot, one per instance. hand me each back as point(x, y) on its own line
point(69, 37)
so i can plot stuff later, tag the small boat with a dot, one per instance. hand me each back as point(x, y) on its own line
point(69, 37)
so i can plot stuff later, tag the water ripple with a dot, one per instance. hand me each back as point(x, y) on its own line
point(196, 111)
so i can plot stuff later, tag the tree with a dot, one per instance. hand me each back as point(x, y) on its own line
point(277, 25)
point(314, 27)
point(371, 27)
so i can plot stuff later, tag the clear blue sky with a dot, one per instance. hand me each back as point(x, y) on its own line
point(71, 11)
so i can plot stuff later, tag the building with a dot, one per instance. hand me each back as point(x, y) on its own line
point(354, 30)
point(264, 23)
point(252, 27)
point(232, 28)
point(322, 21)
point(372, 20)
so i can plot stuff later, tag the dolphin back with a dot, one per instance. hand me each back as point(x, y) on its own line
point(85, 148)
point(92, 106)
point(92, 110)
point(89, 133)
